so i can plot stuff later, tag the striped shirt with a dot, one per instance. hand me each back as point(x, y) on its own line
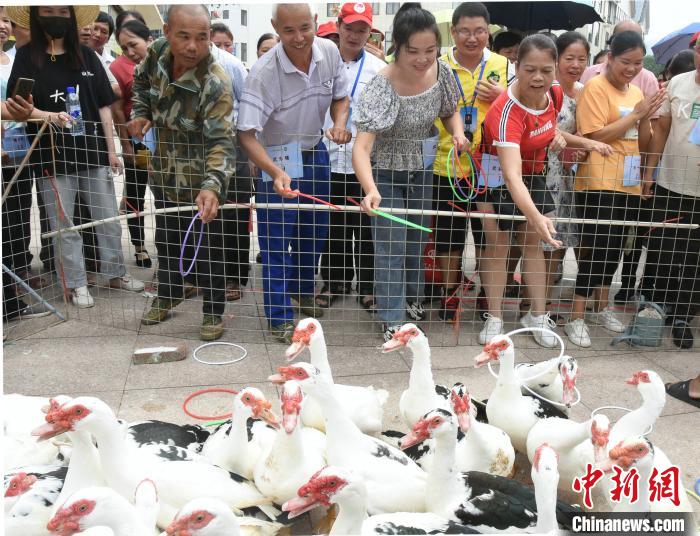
point(284, 104)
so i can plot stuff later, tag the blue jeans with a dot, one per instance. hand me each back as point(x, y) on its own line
point(398, 249)
point(292, 272)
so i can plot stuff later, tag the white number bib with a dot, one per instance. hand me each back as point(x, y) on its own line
point(288, 158)
point(631, 173)
point(492, 168)
point(430, 147)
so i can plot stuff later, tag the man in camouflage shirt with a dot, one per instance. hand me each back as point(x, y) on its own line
point(185, 94)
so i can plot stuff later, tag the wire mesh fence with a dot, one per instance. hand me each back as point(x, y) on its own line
point(446, 250)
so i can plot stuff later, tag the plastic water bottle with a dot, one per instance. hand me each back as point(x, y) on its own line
point(73, 109)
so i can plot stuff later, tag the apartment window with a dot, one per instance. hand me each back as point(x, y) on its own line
point(388, 40)
point(225, 17)
point(332, 9)
point(392, 8)
point(244, 52)
point(244, 17)
point(375, 8)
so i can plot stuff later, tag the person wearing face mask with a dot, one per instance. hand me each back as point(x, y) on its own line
point(395, 119)
point(56, 61)
point(611, 109)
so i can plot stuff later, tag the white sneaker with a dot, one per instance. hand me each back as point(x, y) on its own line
point(127, 282)
point(81, 298)
point(608, 319)
point(492, 327)
point(545, 322)
point(578, 333)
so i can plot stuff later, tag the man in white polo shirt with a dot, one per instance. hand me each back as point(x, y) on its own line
point(283, 107)
point(337, 266)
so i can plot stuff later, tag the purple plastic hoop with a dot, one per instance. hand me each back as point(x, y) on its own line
point(184, 243)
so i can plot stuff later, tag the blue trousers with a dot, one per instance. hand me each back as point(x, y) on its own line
point(398, 249)
point(292, 240)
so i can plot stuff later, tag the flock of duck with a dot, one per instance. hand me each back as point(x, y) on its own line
point(71, 467)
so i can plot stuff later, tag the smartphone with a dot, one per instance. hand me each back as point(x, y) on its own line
point(23, 88)
point(375, 39)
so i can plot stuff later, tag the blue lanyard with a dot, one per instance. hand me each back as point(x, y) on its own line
point(459, 84)
point(359, 72)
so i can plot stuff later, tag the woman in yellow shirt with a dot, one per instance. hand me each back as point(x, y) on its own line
point(613, 111)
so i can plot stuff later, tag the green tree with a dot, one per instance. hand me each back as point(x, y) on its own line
point(650, 64)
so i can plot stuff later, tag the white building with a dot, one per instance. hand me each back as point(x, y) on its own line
point(247, 22)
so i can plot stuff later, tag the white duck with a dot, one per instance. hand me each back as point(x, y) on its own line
point(346, 488)
point(394, 481)
point(20, 448)
point(507, 408)
point(211, 517)
point(296, 454)
point(577, 444)
point(364, 405)
point(545, 477)
point(422, 394)
point(557, 381)
point(483, 501)
point(30, 493)
point(124, 466)
point(98, 507)
point(637, 422)
point(237, 444)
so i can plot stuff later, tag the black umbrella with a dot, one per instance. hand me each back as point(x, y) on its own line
point(558, 15)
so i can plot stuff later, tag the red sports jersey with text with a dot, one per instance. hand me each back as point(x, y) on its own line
point(509, 123)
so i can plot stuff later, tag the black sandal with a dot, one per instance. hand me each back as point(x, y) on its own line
point(681, 391)
point(367, 302)
point(325, 298)
point(142, 259)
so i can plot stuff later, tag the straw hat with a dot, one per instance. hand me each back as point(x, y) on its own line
point(84, 15)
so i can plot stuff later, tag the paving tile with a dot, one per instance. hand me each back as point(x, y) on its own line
point(112, 398)
point(254, 368)
point(682, 364)
point(166, 404)
point(76, 328)
point(92, 364)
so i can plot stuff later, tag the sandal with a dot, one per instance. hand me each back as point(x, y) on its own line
point(681, 391)
point(142, 259)
point(233, 291)
point(367, 302)
point(325, 298)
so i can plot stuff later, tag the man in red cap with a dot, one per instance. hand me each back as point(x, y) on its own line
point(329, 30)
point(694, 40)
point(354, 25)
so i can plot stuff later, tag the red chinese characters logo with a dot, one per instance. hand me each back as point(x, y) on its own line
point(586, 483)
point(664, 485)
point(661, 485)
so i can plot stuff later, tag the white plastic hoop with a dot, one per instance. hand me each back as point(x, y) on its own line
point(524, 330)
point(595, 412)
point(217, 343)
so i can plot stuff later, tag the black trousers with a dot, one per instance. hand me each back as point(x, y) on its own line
point(677, 282)
point(606, 242)
point(135, 182)
point(208, 271)
point(237, 222)
point(342, 259)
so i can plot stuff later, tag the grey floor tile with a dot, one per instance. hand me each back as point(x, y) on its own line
point(68, 365)
point(677, 435)
point(188, 372)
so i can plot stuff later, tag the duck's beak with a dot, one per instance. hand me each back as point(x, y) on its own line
point(410, 439)
point(294, 350)
point(49, 430)
point(392, 344)
point(300, 505)
point(482, 359)
point(277, 379)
